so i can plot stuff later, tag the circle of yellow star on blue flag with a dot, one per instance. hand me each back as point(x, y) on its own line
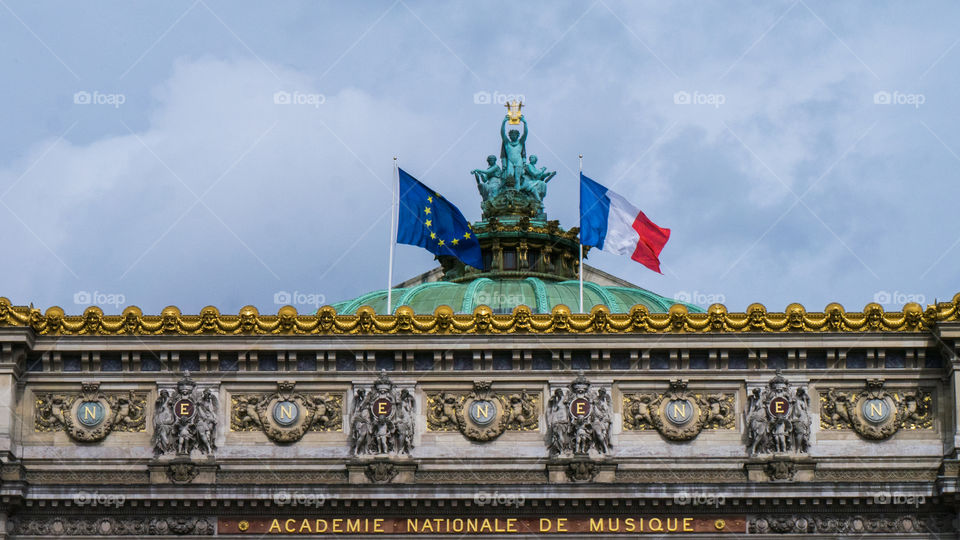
point(428, 220)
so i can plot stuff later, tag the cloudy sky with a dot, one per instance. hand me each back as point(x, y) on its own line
point(799, 150)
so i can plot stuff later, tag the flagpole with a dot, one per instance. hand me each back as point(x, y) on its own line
point(581, 246)
point(393, 234)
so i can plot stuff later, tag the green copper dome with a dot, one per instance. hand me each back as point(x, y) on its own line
point(502, 295)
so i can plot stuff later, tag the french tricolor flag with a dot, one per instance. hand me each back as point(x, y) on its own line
point(611, 223)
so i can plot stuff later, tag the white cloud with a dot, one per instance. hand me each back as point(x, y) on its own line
point(289, 190)
point(298, 202)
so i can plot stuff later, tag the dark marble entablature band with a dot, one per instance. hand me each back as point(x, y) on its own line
point(54, 321)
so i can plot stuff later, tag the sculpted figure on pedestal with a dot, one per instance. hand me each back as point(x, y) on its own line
point(515, 187)
point(777, 419)
point(513, 152)
point(361, 424)
point(163, 421)
point(558, 422)
point(488, 180)
point(185, 421)
point(579, 419)
point(535, 180)
point(383, 419)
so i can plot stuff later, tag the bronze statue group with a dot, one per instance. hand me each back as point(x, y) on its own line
point(514, 172)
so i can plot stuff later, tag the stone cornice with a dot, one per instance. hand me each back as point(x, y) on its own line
point(638, 321)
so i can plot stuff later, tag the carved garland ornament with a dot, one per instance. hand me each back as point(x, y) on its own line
point(132, 321)
point(91, 415)
point(582, 470)
point(286, 415)
point(876, 413)
point(380, 472)
point(847, 525)
point(780, 469)
point(678, 414)
point(111, 526)
point(481, 415)
point(182, 472)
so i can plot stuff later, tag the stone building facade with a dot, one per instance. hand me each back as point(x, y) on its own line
point(514, 424)
point(483, 406)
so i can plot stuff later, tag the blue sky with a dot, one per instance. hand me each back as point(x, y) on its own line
point(799, 151)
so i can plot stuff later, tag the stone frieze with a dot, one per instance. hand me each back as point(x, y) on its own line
point(285, 415)
point(90, 415)
point(678, 414)
point(482, 415)
point(875, 412)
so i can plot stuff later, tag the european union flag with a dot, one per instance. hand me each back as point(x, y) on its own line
point(428, 220)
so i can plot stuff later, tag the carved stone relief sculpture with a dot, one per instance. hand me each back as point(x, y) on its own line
point(185, 419)
point(286, 415)
point(876, 412)
point(678, 414)
point(777, 419)
point(482, 415)
point(90, 415)
point(579, 419)
point(383, 420)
